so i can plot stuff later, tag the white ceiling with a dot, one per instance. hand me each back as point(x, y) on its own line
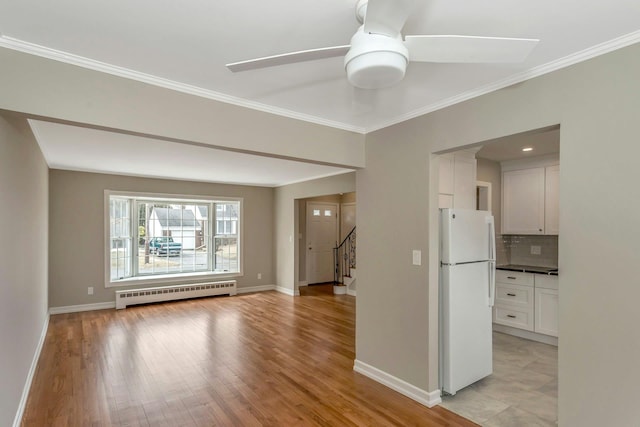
point(543, 142)
point(185, 46)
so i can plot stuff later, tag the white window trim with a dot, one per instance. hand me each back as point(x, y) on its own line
point(173, 278)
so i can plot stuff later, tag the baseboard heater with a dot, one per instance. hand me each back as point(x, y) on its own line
point(176, 292)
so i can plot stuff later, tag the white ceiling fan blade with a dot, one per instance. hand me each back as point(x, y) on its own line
point(387, 16)
point(471, 49)
point(289, 58)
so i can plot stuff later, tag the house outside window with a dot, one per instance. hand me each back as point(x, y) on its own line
point(153, 238)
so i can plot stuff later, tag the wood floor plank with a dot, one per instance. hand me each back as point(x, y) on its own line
point(263, 359)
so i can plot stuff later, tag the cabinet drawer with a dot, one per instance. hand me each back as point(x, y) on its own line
point(546, 282)
point(518, 296)
point(513, 317)
point(515, 277)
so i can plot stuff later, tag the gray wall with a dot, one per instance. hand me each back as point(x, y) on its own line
point(287, 222)
point(597, 105)
point(58, 91)
point(23, 258)
point(76, 245)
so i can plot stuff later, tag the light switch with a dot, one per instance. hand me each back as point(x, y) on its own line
point(417, 257)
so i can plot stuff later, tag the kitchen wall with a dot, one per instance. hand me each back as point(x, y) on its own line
point(513, 249)
point(23, 259)
point(518, 250)
point(490, 171)
point(76, 255)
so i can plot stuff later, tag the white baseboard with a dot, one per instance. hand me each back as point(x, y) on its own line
point(261, 288)
point(82, 307)
point(429, 399)
point(290, 292)
point(32, 370)
point(351, 292)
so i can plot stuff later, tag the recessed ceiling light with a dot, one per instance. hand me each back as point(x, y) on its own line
point(527, 149)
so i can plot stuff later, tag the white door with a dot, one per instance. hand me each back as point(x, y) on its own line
point(322, 234)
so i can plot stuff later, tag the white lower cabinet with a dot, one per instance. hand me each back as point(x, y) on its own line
point(546, 304)
point(514, 299)
point(527, 301)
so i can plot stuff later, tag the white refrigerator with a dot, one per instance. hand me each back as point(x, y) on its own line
point(467, 294)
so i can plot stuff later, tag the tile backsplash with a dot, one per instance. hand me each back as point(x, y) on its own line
point(517, 249)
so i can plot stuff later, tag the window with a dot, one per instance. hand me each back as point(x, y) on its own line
point(154, 238)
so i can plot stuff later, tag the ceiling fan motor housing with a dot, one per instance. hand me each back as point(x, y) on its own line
point(375, 61)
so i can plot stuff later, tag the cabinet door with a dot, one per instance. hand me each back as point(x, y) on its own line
point(446, 174)
point(551, 199)
point(546, 315)
point(445, 201)
point(464, 183)
point(523, 201)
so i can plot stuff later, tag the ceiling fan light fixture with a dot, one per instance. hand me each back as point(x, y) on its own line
point(375, 61)
point(376, 70)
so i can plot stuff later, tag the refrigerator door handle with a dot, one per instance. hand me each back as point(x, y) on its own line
point(492, 238)
point(492, 283)
point(491, 229)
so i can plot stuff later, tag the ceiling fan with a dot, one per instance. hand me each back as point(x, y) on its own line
point(378, 56)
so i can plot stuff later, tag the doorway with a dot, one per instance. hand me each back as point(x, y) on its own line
point(322, 236)
point(524, 385)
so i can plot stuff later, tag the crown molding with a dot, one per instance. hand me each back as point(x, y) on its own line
point(575, 58)
point(91, 64)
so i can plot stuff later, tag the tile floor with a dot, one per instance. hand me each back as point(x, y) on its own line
point(523, 390)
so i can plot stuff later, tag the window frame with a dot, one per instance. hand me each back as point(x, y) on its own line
point(168, 278)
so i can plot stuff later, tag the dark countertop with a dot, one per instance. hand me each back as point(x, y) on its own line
point(553, 271)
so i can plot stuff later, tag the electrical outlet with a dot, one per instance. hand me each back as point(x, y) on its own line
point(259, 276)
point(90, 290)
point(536, 250)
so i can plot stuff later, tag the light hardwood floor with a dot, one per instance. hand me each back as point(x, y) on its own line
point(263, 359)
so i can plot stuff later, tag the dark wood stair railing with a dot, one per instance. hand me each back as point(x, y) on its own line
point(344, 257)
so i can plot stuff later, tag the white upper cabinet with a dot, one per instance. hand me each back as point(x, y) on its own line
point(446, 174)
point(457, 180)
point(523, 201)
point(464, 182)
point(551, 199)
point(530, 200)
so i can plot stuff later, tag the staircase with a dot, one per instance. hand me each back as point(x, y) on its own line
point(344, 256)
